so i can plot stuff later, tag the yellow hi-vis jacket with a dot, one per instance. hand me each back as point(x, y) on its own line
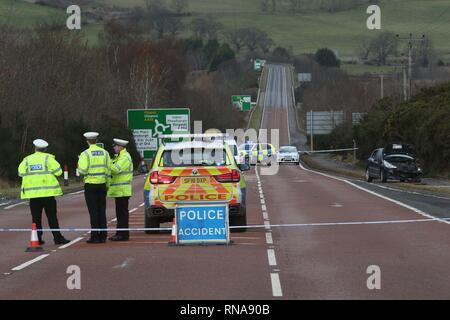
point(121, 176)
point(39, 171)
point(93, 164)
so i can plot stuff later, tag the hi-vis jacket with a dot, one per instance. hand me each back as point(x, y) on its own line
point(93, 164)
point(121, 176)
point(39, 171)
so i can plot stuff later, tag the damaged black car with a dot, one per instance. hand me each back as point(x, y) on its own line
point(396, 162)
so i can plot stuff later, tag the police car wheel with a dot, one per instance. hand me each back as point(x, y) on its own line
point(240, 220)
point(152, 223)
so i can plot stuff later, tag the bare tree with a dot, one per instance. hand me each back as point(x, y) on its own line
point(384, 45)
point(236, 38)
point(206, 28)
point(180, 6)
point(365, 48)
point(255, 38)
point(295, 5)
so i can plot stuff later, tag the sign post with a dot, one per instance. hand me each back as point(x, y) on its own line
point(148, 124)
point(203, 224)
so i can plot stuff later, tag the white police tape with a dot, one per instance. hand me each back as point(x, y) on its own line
point(256, 226)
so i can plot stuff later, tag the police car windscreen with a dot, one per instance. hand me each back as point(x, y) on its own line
point(194, 157)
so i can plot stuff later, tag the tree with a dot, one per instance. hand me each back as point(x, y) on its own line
point(254, 38)
point(206, 28)
point(327, 58)
point(384, 45)
point(265, 5)
point(237, 38)
point(281, 54)
point(224, 53)
point(295, 5)
point(180, 6)
point(423, 52)
point(365, 48)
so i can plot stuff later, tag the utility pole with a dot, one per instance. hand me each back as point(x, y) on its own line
point(410, 40)
point(382, 85)
point(405, 90)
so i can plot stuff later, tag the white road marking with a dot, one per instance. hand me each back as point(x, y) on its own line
point(269, 239)
point(142, 204)
point(133, 210)
point(336, 205)
point(263, 201)
point(267, 225)
point(124, 264)
point(15, 205)
point(71, 243)
point(271, 257)
point(26, 264)
point(5, 203)
point(276, 285)
point(74, 193)
point(264, 208)
point(265, 216)
point(410, 192)
point(404, 205)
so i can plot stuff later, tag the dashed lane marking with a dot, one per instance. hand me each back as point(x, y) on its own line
point(269, 239)
point(276, 285)
point(71, 243)
point(29, 263)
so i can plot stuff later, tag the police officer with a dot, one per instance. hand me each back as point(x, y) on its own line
point(39, 184)
point(93, 164)
point(120, 187)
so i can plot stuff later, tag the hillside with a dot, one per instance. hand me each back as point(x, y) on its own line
point(305, 32)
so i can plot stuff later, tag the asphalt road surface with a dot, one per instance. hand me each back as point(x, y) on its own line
point(321, 236)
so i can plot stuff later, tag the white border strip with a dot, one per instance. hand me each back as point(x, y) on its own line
point(404, 205)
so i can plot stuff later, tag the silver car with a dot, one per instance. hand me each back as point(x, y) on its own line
point(288, 154)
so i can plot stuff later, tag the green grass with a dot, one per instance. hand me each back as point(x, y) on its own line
point(339, 31)
point(23, 14)
point(304, 32)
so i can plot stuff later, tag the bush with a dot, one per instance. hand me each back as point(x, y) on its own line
point(325, 57)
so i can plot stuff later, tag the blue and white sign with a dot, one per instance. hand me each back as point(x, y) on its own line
point(202, 224)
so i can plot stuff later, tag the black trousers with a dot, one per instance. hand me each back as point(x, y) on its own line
point(49, 205)
point(95, 195)
point(122, 214)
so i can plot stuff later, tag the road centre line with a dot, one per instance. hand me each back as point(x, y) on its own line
point(276, 285)
point(271, 257)
point(269, 238)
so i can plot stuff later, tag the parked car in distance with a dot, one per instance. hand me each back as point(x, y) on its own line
point(395, 161)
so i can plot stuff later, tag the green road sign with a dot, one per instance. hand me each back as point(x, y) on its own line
point(148, 124)
point(259, 64)
point(242, 103)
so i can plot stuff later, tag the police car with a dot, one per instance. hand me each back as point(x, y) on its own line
point(257, 152)
point(193, 171)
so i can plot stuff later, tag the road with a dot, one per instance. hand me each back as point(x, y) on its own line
point(321, 235)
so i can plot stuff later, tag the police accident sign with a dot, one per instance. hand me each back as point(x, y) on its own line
point(197, 224)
